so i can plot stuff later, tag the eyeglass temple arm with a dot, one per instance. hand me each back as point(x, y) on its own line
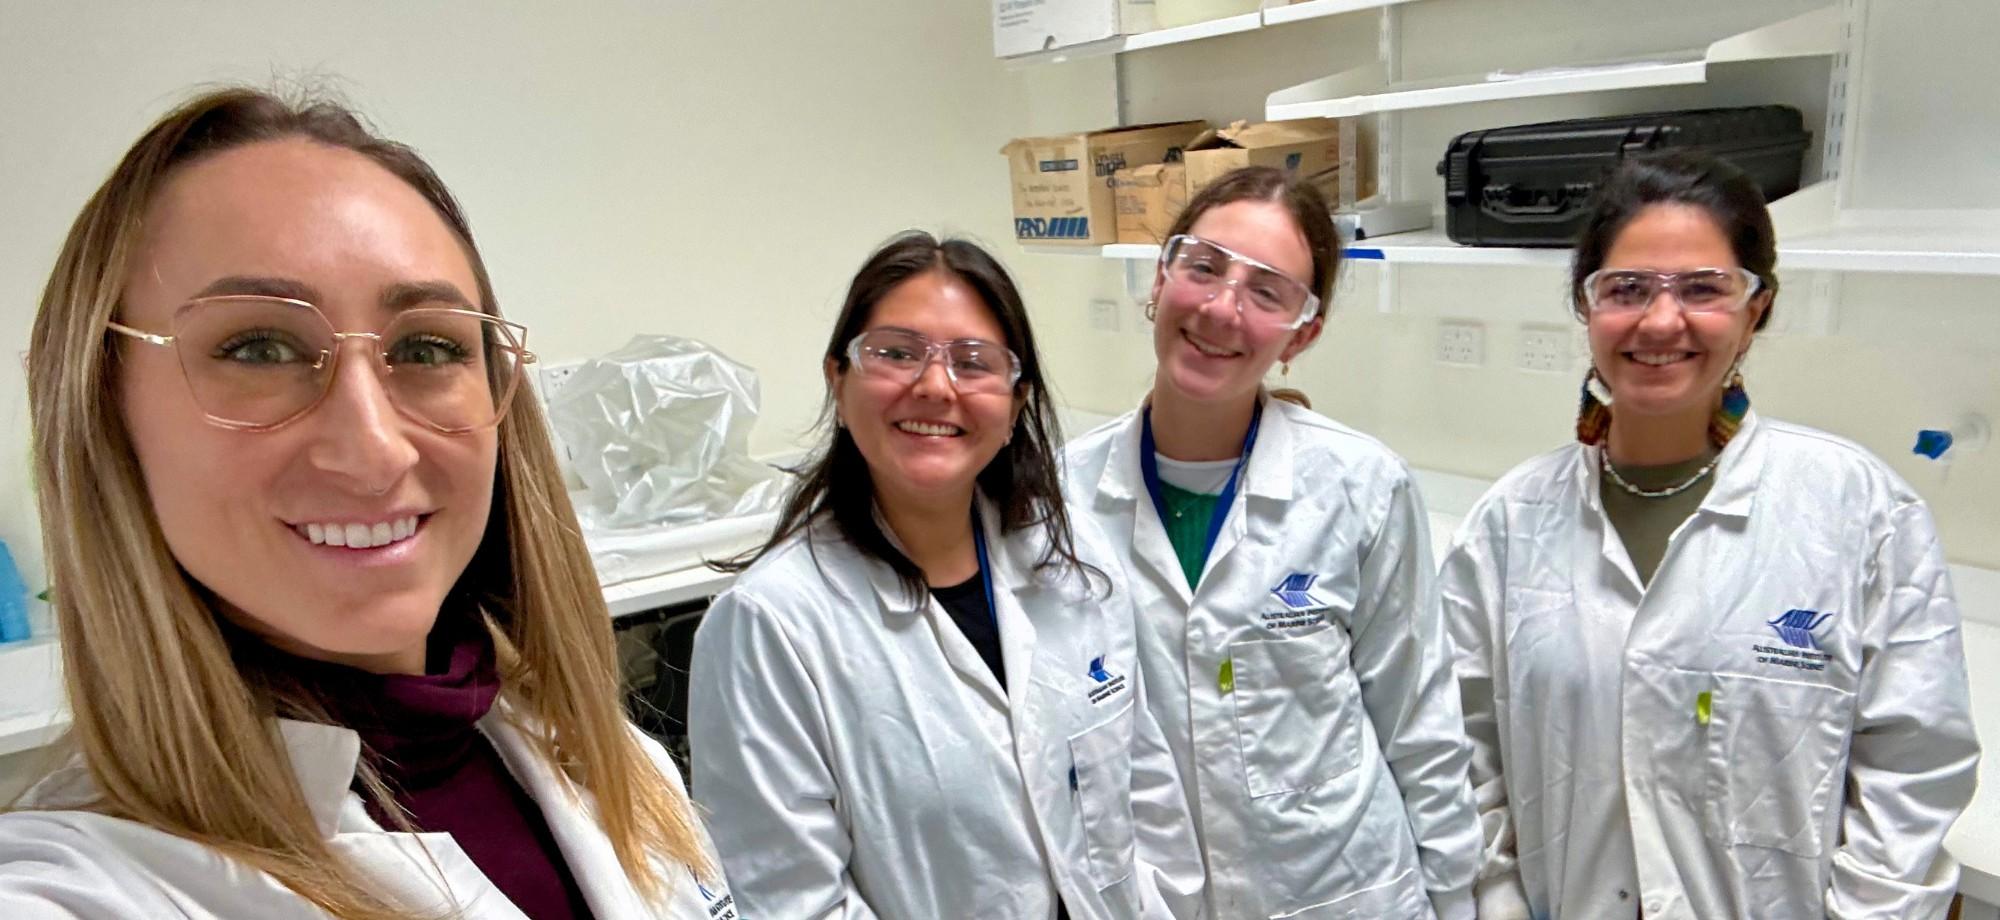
point(139, 334)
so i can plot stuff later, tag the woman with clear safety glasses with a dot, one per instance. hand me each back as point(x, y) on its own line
point(1711, 661)
point(332, 643)
point(1289, 631)
point(920, 698)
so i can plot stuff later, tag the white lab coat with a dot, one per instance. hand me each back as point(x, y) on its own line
point(871, 765)
point(1329, 780)
point(76, 865)
point(1836, 746)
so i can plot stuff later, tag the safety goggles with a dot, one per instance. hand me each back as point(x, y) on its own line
point(1699, 290)
point(1199, 270)
point(973, 365)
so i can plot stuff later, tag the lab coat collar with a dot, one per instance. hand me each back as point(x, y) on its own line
point(1737, 472)
point(324, 759)
point(1269, 472)
point(1267, 475)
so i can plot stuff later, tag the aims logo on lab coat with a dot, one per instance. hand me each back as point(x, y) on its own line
point(1296, 592)
point(1795, 627)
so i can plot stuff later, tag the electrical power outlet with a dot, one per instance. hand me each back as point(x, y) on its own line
point(1461, 342)
point(1104, 315)
point(1543, 348)
point(554, 376)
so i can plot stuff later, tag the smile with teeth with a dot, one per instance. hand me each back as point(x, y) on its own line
point(1205, 348)
point(1659, 358)
point(930, 429)
point(360, 536)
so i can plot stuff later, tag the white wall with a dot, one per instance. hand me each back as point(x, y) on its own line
point(712, 169)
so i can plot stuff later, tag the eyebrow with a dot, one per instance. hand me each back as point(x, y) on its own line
point(399, 296)
point(406, 294)
point(259, 286)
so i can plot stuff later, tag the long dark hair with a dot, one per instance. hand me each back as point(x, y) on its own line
point(1023, 479)
point(1684, 177)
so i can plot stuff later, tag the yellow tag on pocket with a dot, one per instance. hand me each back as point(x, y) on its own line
point(1702, 705)
point(1226, 680)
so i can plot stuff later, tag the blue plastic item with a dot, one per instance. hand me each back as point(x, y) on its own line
point(1932, 443)
point(13, 600)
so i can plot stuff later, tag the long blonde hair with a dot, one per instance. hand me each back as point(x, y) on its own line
point(172, 721)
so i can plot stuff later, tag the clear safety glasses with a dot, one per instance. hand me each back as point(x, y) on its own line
point(1700, 290)
point(255, 363)
point(1199, 270)
point(974, 366)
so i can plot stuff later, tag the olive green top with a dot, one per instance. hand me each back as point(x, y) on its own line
point(1646, 524)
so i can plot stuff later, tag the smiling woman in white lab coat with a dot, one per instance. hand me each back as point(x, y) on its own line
point(920, 700)
point(332, 643)
point(1289, 633)
point(1711, 661)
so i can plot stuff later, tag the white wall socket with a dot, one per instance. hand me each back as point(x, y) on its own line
point(1104, 315)
point(1461, 342)
point(1543, 348)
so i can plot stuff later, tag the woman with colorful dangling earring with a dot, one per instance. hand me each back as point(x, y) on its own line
point(1711, 662)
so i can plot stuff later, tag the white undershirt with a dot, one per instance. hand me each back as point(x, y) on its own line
point(1203, 477)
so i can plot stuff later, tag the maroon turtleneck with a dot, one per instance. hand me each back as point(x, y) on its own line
point(420, 734)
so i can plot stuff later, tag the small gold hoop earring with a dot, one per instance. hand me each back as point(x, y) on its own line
point(1152, 310)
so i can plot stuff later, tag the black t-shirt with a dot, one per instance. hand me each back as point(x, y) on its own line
point(966, 602)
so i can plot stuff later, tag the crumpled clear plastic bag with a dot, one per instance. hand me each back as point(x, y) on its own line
point(659, 433)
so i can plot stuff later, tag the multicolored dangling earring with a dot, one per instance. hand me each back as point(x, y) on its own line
point(1729, 415)
point(1593, 415)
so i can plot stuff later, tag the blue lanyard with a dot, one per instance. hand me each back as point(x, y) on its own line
point(985, 569)
point(1149, 466)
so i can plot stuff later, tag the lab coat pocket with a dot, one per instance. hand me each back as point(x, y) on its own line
point(1298, 711)
point(1102, 755)
point(1775, 752)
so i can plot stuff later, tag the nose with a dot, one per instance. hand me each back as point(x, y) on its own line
point(359, 436)
point(1224, 312)
point(1663, 312)
point(933, 379)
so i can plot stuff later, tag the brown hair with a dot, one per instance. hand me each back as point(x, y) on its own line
point(1684, 177)
point(171, 714)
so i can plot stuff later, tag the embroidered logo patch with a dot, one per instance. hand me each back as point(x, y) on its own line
point(1296, 592)
point(1108, 684)
point(1302, 607)
point(1795, 627)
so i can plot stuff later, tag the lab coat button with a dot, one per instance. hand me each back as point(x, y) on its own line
point(1624, 895)
point(1655, 907)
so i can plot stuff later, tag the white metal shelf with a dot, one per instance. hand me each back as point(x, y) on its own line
point(1892, 249)
point(1315, 9)
point(1228, 25)
point(1367, 89)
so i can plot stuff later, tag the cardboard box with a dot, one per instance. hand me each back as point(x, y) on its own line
point(1062, 185)
point(1149, 198)
point(1309, 147)
point(1028, 26)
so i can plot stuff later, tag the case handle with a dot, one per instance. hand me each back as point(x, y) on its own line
point(1510, 201)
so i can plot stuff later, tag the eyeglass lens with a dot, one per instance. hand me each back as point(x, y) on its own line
point(1204, 269)
point(1707, 290)
point(974, 366)
point(259, 362)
